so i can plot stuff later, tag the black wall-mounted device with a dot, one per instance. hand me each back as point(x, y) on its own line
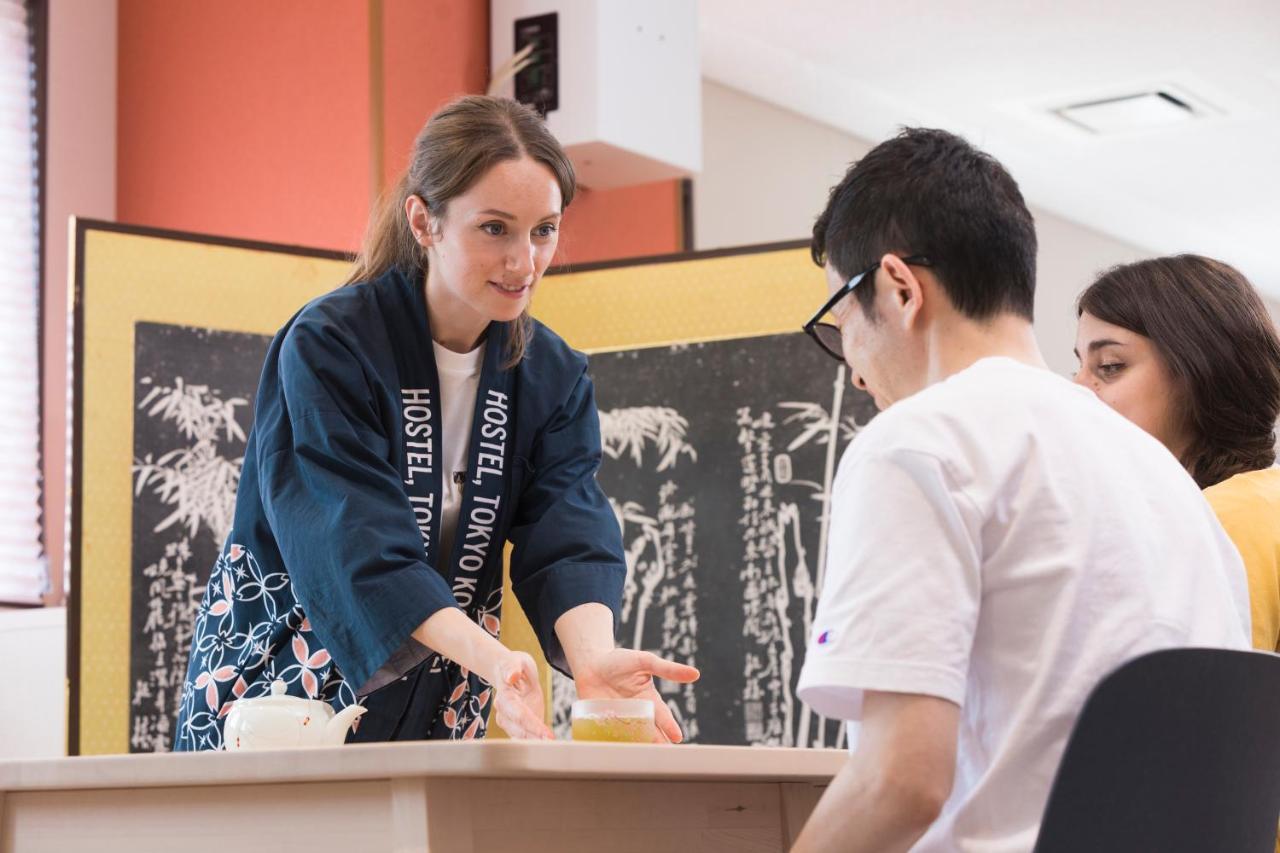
point(539, 84)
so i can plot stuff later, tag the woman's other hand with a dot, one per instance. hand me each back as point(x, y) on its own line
point(629, 674)
point(518, 704)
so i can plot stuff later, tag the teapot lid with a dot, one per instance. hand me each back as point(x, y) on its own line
point(280, 698)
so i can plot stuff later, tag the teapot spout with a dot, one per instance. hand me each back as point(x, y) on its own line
point(336, 729)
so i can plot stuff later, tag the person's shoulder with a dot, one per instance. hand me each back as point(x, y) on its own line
point(349, 317)
point(1262, 485)
point(345, 305)
point(1248, 499)
point(551, 376)
point(1003, 383)
point(987, 413)
point(936, 415)
point(549, 358)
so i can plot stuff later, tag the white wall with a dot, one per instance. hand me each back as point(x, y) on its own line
point(80, 180)
point(33, 699)
point(1070, 258)
point(766, 174)
point(765, 171)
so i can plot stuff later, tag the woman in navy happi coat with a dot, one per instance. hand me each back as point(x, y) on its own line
point(333, 578)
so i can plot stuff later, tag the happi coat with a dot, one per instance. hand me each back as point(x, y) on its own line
point(332, 560)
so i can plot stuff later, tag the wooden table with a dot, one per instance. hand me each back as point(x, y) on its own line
point(486, 796)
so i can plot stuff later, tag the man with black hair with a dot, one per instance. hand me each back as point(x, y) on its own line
point(1000, 539)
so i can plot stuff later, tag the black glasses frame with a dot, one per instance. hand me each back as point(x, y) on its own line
point(812, 327)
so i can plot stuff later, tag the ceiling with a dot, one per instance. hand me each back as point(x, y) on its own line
point(993, 70)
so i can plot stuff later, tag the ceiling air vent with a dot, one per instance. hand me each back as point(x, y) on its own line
point(1142, 111)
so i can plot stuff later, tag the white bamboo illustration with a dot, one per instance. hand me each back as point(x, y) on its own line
point(650, 579)
point(631, 513)
point(788, 517)
point(628, 430)
point(827, 427)
point(629, 433)
point(651, 572)
point(199, 484)
point(828, 475)
point(196, 480)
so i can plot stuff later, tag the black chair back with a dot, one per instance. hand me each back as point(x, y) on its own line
point(1177, 751)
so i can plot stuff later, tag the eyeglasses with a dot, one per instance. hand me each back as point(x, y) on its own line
point(827, 335)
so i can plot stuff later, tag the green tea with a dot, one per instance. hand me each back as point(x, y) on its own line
point(614, 729)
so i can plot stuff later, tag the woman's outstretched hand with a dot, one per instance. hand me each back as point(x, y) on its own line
point(629, 674)
point(518, 704)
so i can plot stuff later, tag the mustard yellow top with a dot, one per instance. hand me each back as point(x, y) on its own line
point(1248, 505)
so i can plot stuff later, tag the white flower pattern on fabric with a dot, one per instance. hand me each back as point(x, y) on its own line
point(238, 658)
point(465, 713)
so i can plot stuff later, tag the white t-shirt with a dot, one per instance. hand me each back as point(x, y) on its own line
point(459, 383)
point(1003, 540)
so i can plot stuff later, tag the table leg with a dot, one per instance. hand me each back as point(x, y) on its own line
point(799, 799)
point(408, 815)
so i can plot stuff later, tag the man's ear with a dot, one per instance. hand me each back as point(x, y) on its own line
point(421, 222)
point(908, 294)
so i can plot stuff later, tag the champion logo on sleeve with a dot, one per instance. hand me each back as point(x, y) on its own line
point(826, 638)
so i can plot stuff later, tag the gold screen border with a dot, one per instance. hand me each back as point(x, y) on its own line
point(248, 286)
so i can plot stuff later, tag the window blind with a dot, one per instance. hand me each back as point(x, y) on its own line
point(23, 569)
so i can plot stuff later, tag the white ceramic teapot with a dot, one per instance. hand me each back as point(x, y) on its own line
point(280, 721)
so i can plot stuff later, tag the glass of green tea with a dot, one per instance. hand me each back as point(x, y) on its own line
point(613, 720)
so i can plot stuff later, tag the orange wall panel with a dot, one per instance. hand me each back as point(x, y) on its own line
point(245, 118)
point(264, 120)
point(431, 54)
point(623, 223)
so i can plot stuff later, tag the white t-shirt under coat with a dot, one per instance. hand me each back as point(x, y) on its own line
point(459, 383)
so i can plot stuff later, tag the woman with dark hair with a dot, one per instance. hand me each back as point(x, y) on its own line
point(406, 426)
point(1183, 347)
